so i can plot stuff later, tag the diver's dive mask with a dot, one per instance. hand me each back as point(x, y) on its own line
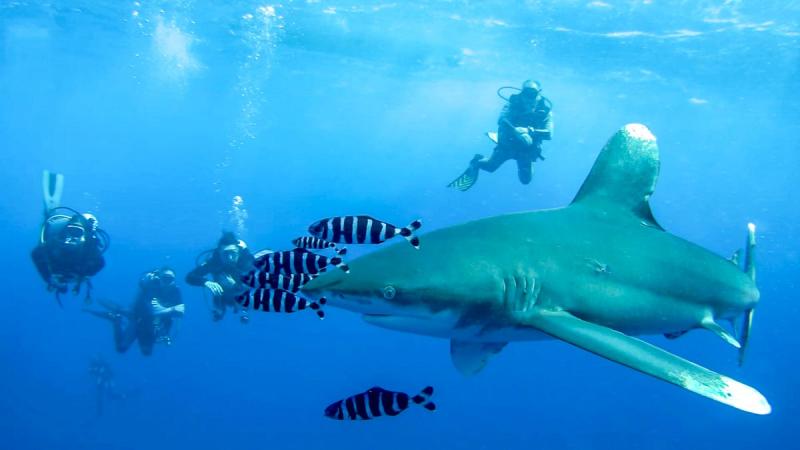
point(166, 278)
point(74, 234)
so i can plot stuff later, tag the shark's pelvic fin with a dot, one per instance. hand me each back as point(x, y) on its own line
point(471, 357)
point(624, 175)
point(647, 358)
point(710, 325)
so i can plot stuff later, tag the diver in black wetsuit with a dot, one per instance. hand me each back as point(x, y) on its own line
point(525, 122)
point(105, 383)
point(150, 318)
point(220, 272)
point(71, 245)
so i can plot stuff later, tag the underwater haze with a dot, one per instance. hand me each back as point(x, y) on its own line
point(162, 115)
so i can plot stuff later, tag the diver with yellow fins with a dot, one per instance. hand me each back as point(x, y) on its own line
point(524, 123)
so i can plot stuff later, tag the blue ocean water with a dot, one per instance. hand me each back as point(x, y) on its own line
point(159, 113)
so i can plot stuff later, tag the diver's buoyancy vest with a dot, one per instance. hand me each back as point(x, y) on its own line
point(524, 117)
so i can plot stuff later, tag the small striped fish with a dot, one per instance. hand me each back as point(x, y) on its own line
point(261, 279)
point(297, 261)
point(361, 230)
point(377, 402)
point(312, 242)
point(277, 300)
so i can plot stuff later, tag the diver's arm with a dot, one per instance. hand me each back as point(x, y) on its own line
point(505, 116)
point(545, 130)
point(197, 277)
point(159, 310)
point(39, 256)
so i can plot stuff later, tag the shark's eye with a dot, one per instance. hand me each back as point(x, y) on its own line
point(389, 292)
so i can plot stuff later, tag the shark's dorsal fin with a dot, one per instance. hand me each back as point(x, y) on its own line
point(624, 176)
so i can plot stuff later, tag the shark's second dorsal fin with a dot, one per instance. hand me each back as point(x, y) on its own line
point(624, 175)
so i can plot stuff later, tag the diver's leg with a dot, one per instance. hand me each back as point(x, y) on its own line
point(146, 342)
point(525, 166)
point(219, 308)
point(499, 156)
point(470, 176)
point(123, 337)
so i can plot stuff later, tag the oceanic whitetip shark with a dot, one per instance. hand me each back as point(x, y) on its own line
point(593, 274)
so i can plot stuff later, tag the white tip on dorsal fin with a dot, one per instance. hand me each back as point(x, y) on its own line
point(709, 324)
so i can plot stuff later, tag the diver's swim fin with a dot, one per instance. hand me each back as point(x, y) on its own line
point(105, 315)
point(647, 358)
point(52, 188)
point(470, 176)
point(466, 180)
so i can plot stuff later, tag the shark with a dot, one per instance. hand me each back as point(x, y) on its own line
point(595, 274)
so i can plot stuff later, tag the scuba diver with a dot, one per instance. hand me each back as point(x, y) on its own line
point(149, 319)
point(524, 123)
point(71, 245)
point(220, 271)
point(105, 382)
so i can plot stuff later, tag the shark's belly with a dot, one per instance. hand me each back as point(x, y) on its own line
point(448, 326)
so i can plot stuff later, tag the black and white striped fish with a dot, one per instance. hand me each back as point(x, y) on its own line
point(262, 279)
point(377, 402)
point(312, 242)
point(361, 230)
point(278, 300)
point(298, 261)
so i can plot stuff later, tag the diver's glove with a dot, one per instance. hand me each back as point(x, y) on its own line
point(523, 133)
point(214, 287)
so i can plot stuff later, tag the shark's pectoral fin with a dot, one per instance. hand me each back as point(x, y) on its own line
point(647, 358)
point(471, 357)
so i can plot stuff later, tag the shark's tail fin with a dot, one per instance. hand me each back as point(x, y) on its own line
point(317, 307)
point(408, 232)
point(750, 270)
point(424, 399)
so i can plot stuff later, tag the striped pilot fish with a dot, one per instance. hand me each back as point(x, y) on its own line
point(312, 242)
point(278, 300)
point(378, 402)
point(361, 230)
point(297, 261)
point(262, 279)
